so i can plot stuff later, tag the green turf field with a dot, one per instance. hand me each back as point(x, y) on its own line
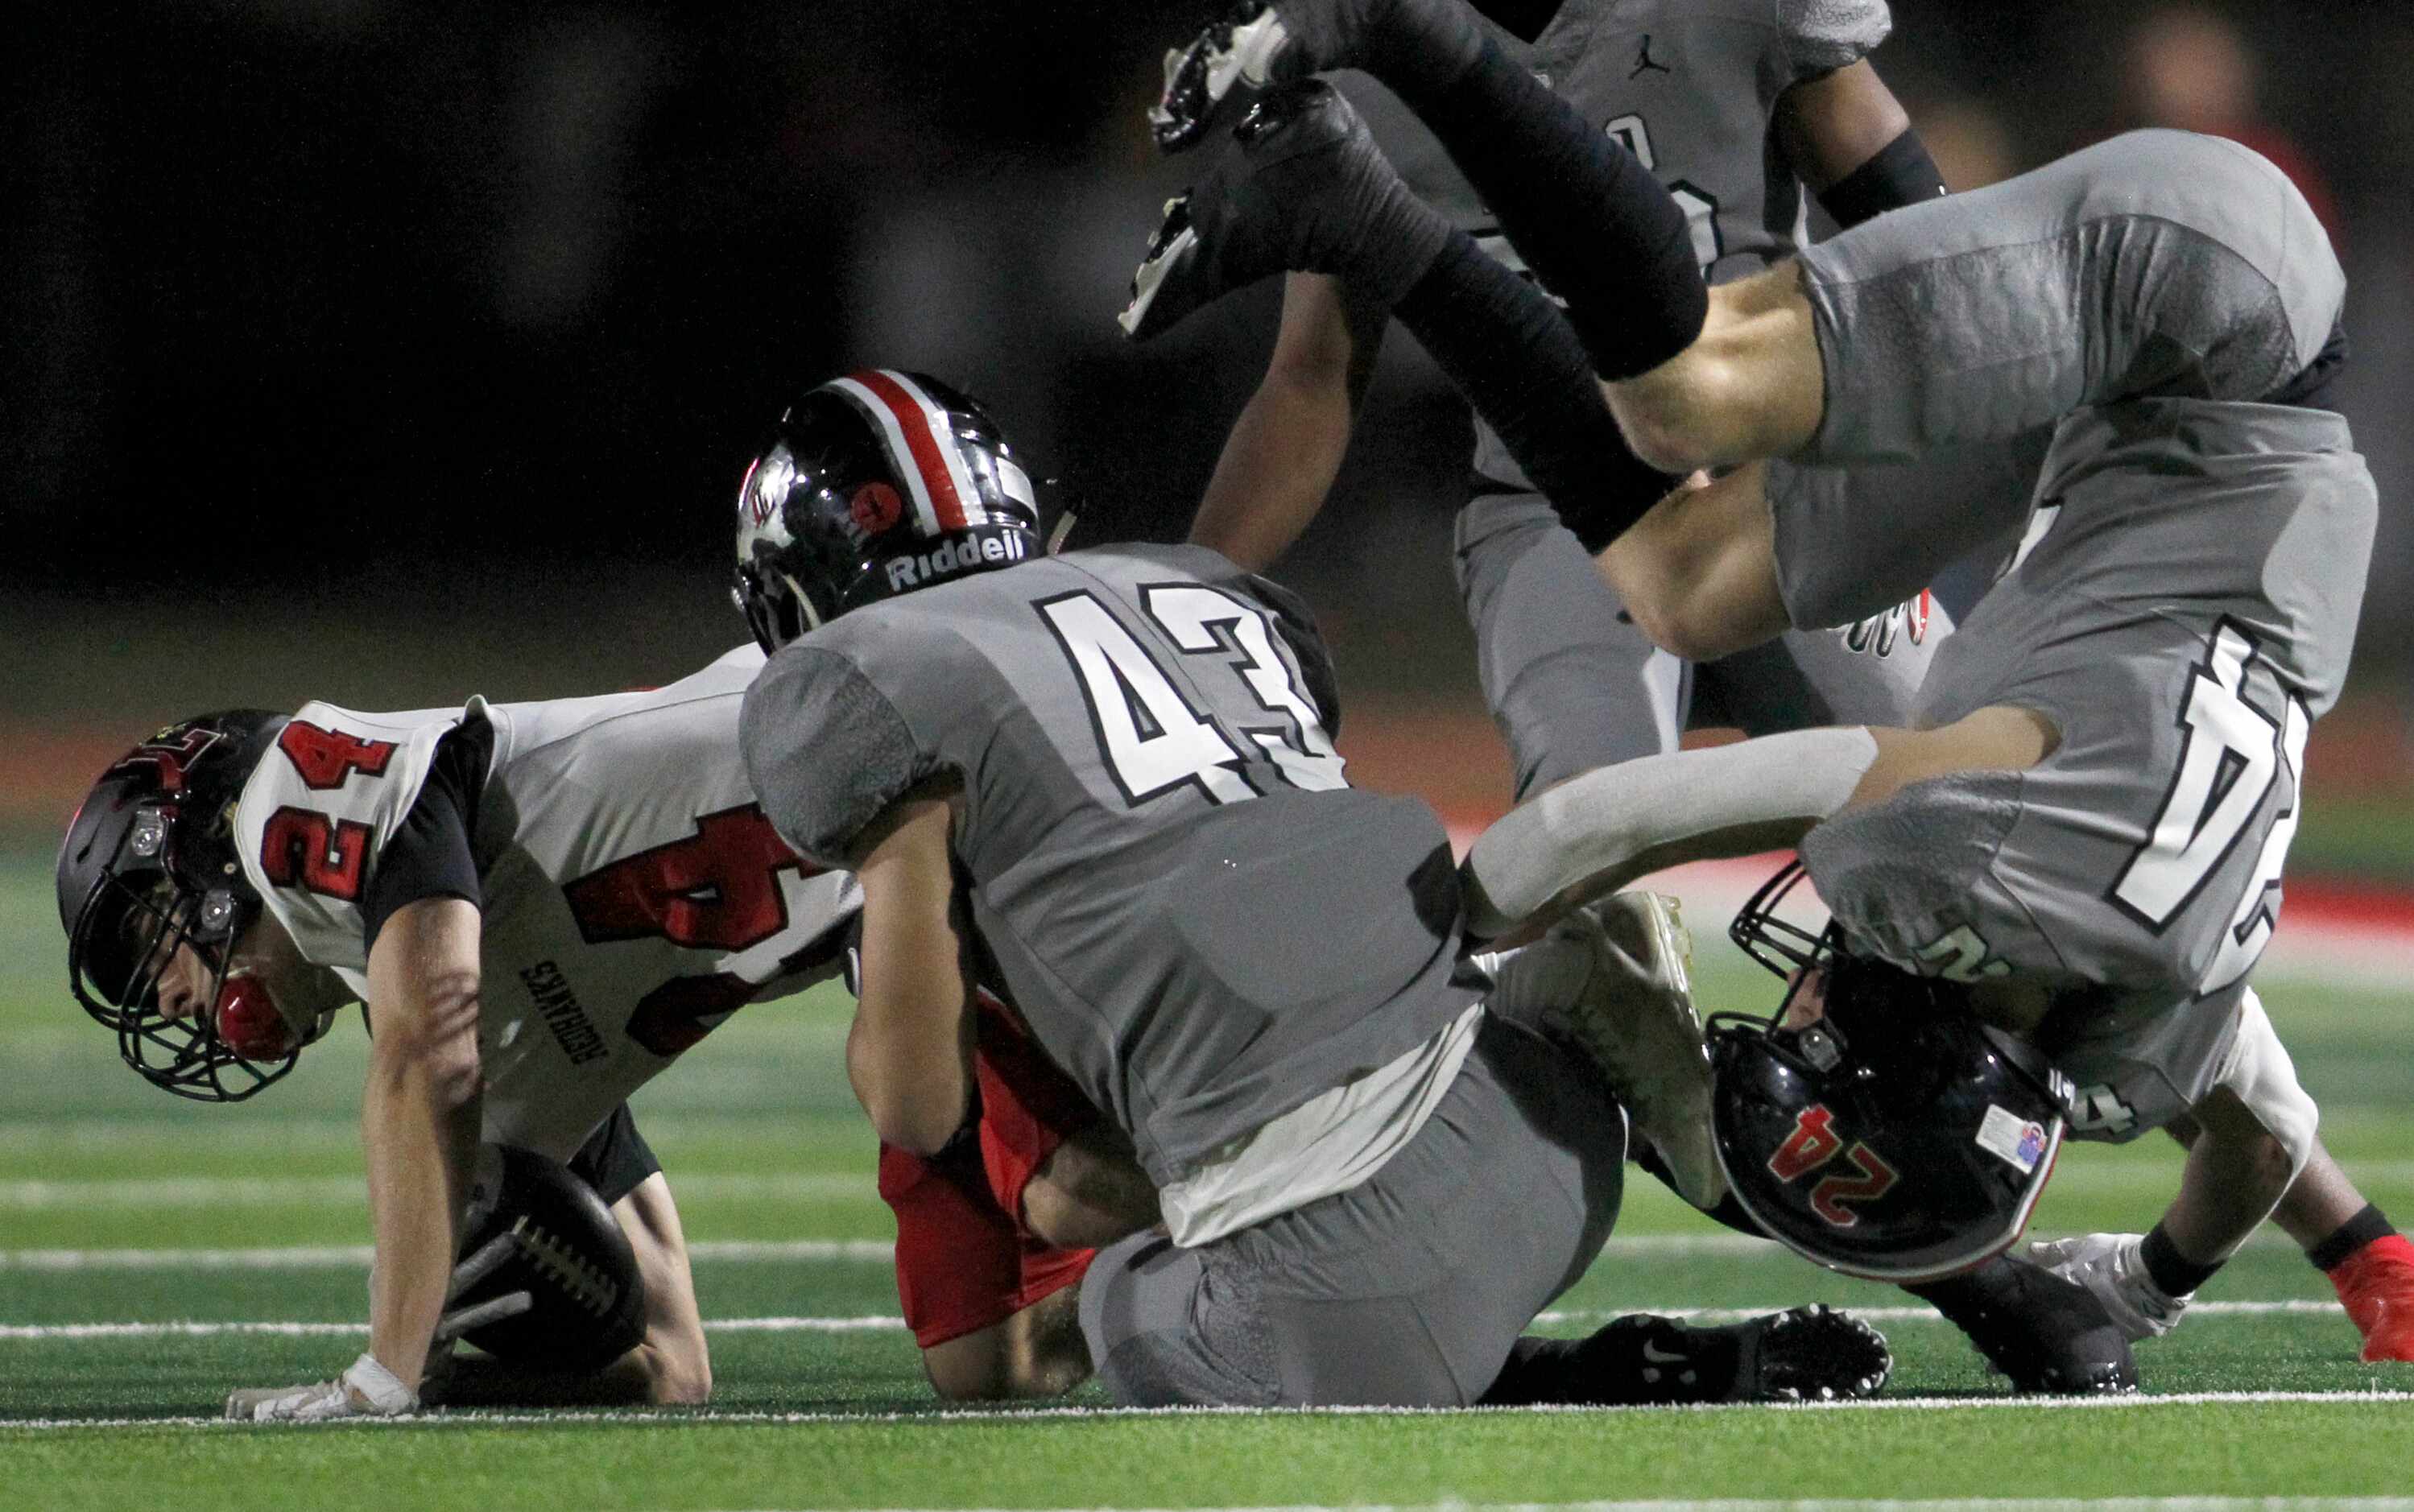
point(154, 1253)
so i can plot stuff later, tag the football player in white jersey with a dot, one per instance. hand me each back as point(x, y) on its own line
point(542, 906)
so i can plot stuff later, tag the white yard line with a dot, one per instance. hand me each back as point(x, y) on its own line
point(1862, 1504)
point(509, 1419)
point(875, 1323)
point(347, 1191)
point(338, 1256)
point(1865, 1504)
point(811, 1252)
point(1853, 1504)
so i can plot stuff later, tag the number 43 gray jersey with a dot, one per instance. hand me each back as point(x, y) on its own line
point(1201, 920)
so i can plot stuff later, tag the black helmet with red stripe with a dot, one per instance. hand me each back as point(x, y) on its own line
point(1875, 1124)
point(149, 868)
point(874, 484)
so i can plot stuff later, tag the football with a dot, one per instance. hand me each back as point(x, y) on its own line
point(546, 1279)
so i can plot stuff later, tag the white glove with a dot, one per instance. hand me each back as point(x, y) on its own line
point(2113, 1266)
point(366, 1389)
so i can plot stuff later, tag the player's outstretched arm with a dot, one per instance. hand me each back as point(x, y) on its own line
point(1602, 829)
point(1285, 448)
point(419, 1118)
point(909, 1053)
point(419, 1131)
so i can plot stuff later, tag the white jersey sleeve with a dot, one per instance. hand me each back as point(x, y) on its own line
point(1819, 37)
point(316, 815)
point(634, 894)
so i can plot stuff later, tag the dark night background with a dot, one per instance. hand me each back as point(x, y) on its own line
point(444, 330)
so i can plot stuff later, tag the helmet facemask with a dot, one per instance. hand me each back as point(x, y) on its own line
point(148, 871)
point(1883, 1129)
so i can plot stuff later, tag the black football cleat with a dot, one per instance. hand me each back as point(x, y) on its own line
point(1808, 1354)
point(2048, 1336)
point(1303, 189)
point(1257, 44)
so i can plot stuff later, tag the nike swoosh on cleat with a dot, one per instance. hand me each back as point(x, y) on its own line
point(1657, 1356)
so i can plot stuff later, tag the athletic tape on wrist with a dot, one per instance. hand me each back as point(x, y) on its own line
point(378, 1386)
point(1609, 816)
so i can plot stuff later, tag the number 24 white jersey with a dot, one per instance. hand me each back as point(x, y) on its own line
point(634, 894)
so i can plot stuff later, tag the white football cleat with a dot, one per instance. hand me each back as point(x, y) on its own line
point(1636, 1016)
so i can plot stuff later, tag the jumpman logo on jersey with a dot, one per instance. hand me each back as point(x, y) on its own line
point(1642, 62)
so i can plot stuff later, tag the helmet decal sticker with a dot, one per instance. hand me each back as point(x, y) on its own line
point(920, 444)
point(875, 508)
point(2017, 1142)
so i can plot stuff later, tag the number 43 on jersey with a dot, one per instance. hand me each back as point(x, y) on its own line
point(1154, 739)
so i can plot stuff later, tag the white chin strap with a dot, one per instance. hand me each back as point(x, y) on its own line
point(1605, 819)
point(804, 604)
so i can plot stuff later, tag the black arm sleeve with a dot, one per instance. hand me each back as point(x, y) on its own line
point(430, 854)
point(1899, 174)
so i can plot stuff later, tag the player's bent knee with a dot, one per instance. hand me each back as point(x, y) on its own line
point(1666, 415)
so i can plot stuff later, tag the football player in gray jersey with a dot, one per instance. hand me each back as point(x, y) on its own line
point(1738, 108)
point(2080, 830)
point(1104, 785)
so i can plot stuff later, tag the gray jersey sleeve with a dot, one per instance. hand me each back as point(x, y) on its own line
point(826, 750)
point(1912, 878)
point(1819, 37)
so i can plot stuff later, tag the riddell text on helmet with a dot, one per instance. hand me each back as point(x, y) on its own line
point(953, 557)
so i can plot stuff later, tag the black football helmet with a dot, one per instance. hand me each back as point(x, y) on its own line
point(1894, 1136)
point(149, 866)
point(877, 483)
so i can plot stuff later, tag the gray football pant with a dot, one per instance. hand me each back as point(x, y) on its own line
point(1573, 685)
point(2157, 264)
point(1406, 1290)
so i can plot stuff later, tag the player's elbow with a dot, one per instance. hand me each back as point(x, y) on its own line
point(918, 1126)
point(1088, 1194)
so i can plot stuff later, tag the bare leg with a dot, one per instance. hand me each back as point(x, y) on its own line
point(1750, 386)
point(2319, 1201)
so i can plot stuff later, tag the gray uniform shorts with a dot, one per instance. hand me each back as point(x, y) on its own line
point(1404, 1291)
point(2159, 264)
